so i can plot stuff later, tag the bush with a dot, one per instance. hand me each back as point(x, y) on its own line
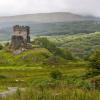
point(45, 43)
point(56, 74)
point(92, 73)
point(95, 60)
point(55, 60)
point(1, 46)
point(84, 84)
point(96, 83)
point(66, 54)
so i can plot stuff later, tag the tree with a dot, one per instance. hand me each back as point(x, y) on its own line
point(45, 43)
point(54, 60)
point(7, 44)
point(95, 60)
point(1, 46)
point(56, 74)
point(66, 54)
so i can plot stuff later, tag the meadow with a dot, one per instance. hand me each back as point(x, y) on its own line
point(51, 70)
point(38, 83)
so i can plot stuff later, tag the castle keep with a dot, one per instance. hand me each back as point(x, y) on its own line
point(20, 36)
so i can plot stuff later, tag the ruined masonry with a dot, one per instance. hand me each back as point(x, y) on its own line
point(20, 37)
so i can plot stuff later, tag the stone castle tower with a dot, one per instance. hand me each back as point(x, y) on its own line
point(20, 36)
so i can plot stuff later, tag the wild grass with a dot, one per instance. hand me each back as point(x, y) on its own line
point(39, 85)
point(29, 71)
point(55, 93)
point(22, 76)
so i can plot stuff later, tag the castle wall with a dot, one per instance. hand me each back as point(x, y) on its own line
point(17, 42)
point(24, 35)
point(23, 31)
point(20, 36)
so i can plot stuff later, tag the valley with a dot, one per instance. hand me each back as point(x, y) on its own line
point(44, 59)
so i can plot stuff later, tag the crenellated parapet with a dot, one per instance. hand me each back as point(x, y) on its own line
point(21, 28)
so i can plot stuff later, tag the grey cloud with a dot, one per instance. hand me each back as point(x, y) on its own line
point(85, 7)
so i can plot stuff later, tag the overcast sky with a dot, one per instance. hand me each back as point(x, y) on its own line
point(17, 7)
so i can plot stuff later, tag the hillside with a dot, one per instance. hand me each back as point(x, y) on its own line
point(50, 23)
point(46, 17)
point(59, 28)
point(29, 58)
point(80, 44)
point(46, 70)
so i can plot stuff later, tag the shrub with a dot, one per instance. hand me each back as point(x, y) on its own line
point(95, 60)
point(7, 44)
point(2, 77)
point(84, 84)
point(67, 54)
point(45, 43)
point(54, 60)
point(56, 74)
point(96, 83)
point(1, 46)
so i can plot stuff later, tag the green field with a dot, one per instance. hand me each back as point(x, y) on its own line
point(54, 69)
point(34, 78)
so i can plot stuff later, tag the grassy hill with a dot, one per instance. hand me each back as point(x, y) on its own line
point(80, 44)
point(28, 58)
point(36, 70)
point(55, 69)
point(35, 78)
point(47, 17)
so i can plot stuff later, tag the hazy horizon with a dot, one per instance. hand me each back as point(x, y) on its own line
point(21, 7)
point(48, 13)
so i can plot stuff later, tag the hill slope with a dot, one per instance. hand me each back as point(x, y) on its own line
point(46, 17)
point(59, 28)
point(49, 23)
point(31, 57)
point(80, 44)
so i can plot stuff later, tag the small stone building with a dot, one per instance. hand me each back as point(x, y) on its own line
point(20, 37)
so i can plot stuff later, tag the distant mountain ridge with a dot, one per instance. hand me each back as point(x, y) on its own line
point(57, 23)
point(47, 17)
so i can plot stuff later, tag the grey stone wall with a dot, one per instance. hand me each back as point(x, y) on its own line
point(20, 37)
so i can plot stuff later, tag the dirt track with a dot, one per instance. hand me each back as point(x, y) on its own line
point(10, 91)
